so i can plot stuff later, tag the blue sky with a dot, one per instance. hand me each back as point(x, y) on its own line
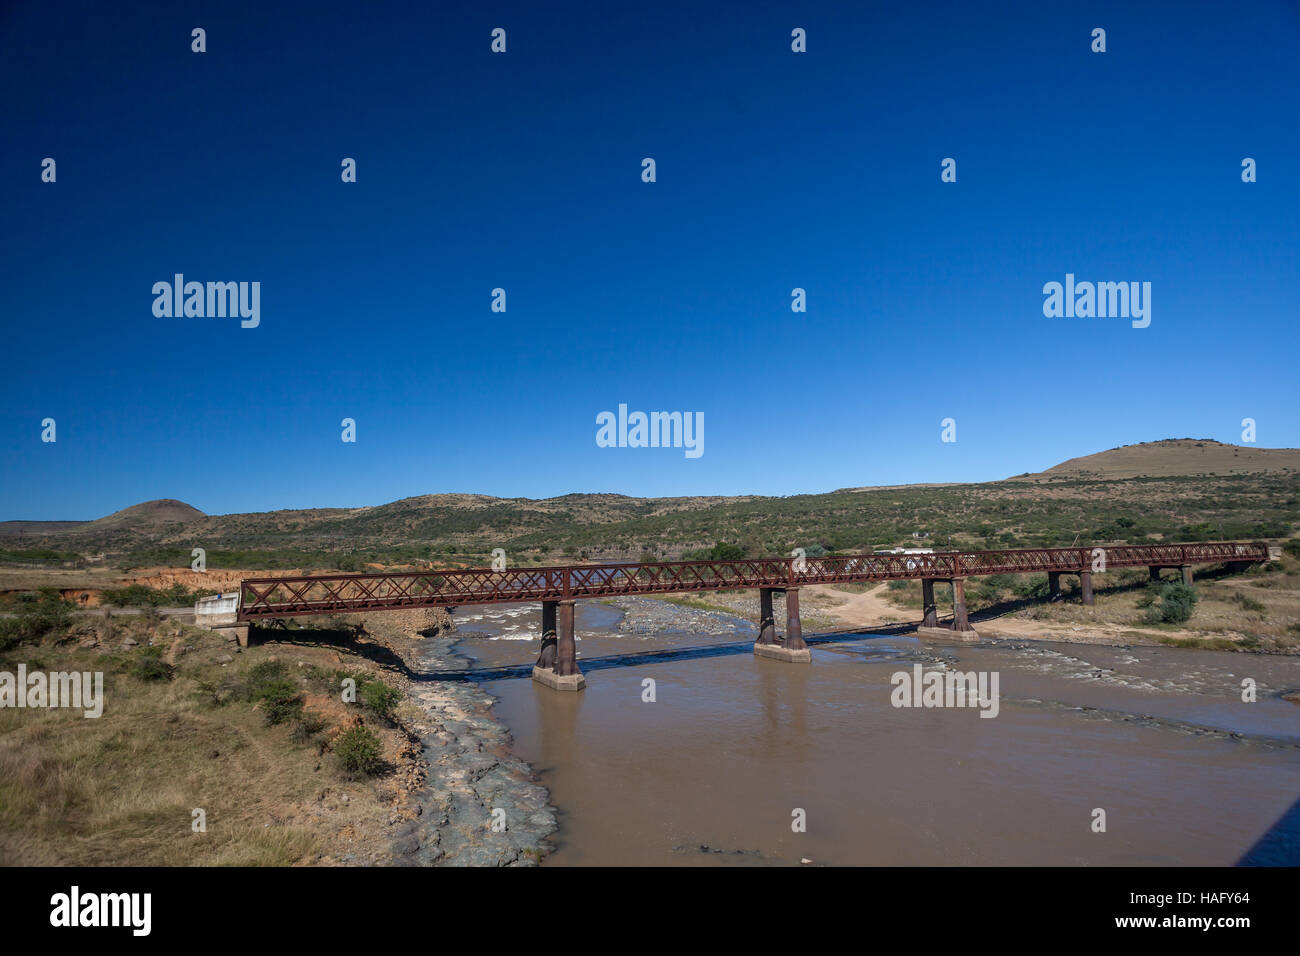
point(775, 170)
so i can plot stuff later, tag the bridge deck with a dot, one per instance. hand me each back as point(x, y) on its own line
point(263, 598)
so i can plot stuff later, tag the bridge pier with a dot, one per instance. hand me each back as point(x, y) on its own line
point(959, 619)
point(564, 675)
point(766, 619)
point(931, 618)
point(1085, 585)
point(1054, 586)
point(546, 660)
point(960, 629)
point(791, 648)
point(1187, 574)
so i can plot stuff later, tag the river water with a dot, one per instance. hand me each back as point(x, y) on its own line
point(734, 750)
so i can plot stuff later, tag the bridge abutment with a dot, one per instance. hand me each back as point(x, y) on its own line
point(564, 675)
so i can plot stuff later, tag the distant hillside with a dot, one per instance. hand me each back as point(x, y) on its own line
point(1158, 491)
point(146, 515)
point(1173, 457)
point(38, 528)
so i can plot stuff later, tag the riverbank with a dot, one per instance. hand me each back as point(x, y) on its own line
point(479, 805)
point(206, 753)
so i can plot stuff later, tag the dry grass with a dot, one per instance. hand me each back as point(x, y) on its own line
point(1258, 610)
point(121, 789)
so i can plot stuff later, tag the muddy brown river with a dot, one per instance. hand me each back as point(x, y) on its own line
point(1097, 755)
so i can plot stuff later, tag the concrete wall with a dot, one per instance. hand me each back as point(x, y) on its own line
point(218, 609)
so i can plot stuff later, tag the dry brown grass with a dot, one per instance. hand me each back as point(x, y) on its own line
point(1181, 456)
point(121, 789)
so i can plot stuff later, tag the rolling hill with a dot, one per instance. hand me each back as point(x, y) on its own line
point(1183, 488)
point(1172, 457)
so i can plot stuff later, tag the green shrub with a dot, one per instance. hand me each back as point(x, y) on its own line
point(268, 683)
point(1177, 602)
point(722, 551)
point(379, 698)
point(1292, 547)
point(35, 614)
point(262, 673)
point(357, 750)
point(280, 700)
point(148, 665)
point(141, 595)
point(1031, 588)
point(10, 633)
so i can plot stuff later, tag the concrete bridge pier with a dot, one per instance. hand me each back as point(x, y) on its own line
point(564, 675)
point(960, 630)
point(1085, 586)
point(766, 619)
point(959, 619)
point(1054, 586)
point(791, 648)
point(931, 618)
point(546, 660)
point(1187, 574)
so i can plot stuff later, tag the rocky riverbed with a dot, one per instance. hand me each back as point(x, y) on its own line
point(474, 804)
point(480, 806)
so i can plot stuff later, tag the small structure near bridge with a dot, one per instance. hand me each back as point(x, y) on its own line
point(220, 612)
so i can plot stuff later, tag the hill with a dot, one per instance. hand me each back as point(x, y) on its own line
point(146, 515)
point(1170, 490)
point(1175, 456)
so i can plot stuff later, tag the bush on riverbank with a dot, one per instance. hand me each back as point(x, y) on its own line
point(357, 752)
point(1171, 603)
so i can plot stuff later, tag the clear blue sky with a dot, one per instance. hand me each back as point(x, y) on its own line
point(775, 170)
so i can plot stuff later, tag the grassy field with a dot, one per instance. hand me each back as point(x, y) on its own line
point(1254, 610)
point(254, 739)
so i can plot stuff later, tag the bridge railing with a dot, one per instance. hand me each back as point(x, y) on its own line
point(341, 593)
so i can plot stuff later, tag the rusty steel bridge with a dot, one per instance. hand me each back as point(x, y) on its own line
point(556, 588)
